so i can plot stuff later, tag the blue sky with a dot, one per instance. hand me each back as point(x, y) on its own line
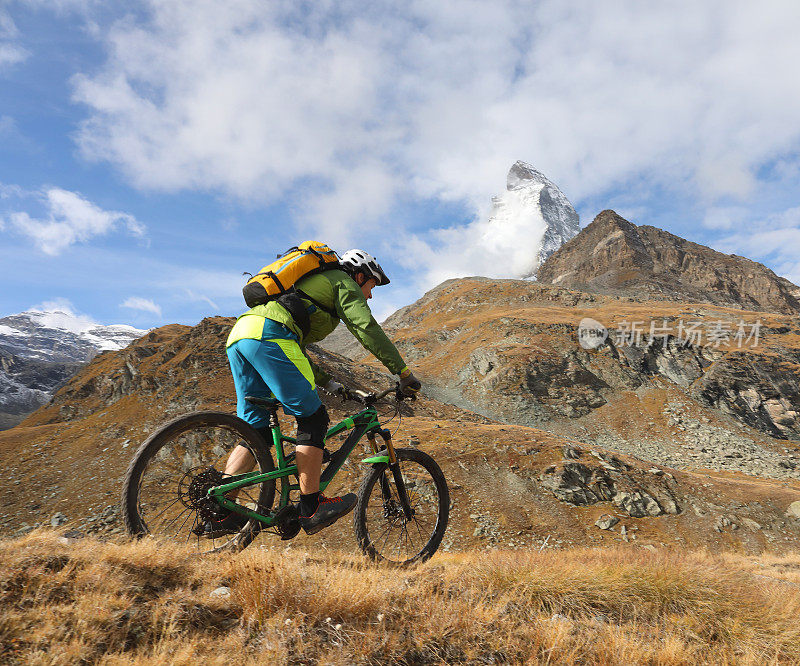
point(150, 152)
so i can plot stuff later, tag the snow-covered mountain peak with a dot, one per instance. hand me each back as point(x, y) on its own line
point(61, 335)
point(533, 213)
point(42, 348)
point(522, 174)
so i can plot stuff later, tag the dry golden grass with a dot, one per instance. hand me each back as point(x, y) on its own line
point(129, 603)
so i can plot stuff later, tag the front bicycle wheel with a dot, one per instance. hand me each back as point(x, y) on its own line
point(166, 486)
point(382, 529)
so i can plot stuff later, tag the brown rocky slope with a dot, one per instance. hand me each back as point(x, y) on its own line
point(509, 349)
point(614, 256)
point(512, 486)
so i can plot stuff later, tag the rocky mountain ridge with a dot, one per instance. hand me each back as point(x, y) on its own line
point(615, 257)
point(512, 486)
point(39, 351)
point(509, 349)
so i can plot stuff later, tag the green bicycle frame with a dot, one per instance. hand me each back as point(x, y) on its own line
point(365, 421)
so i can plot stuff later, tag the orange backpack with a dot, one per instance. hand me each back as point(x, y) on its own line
point(279, 277)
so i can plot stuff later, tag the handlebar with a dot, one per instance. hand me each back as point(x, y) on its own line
point(372, 398)
point(394, 389)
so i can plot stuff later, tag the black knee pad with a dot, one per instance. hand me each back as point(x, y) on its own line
point(311, 429)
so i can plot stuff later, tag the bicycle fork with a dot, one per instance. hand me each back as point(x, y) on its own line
point(394, 466)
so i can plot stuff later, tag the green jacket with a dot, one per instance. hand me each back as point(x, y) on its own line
point(339, 293)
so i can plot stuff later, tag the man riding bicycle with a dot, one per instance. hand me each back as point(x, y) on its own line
point(266, 354)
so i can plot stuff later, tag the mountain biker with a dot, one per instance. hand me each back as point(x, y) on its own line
point(266, 354)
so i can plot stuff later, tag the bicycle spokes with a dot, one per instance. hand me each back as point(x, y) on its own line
point(173, 481)
point(402, 513)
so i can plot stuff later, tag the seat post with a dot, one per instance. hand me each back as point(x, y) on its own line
point(275, 428)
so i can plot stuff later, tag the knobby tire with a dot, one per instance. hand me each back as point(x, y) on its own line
point(419, 539)
point(166, 436)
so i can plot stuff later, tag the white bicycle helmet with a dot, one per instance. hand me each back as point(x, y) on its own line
point(354, 261)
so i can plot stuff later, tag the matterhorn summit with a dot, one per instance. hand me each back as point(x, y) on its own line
point(537, 213)
point(525, 224)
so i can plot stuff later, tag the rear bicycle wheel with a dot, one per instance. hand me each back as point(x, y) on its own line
point(165, 490)
point(382, 530)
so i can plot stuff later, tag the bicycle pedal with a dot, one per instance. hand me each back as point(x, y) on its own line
point(284, 513)
point(290, 530)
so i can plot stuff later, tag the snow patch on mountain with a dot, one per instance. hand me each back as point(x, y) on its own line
point(62, 336)
point(529, 221)
point(42, 348)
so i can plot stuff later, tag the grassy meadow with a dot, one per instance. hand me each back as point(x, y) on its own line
point(133, 603)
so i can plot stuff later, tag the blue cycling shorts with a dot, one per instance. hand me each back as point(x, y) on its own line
point(267, 368)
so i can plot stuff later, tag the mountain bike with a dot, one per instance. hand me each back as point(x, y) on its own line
point(175, 483)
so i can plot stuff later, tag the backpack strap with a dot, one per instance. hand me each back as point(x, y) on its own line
point(319, 257)
point(322, 307)
point(290, 300)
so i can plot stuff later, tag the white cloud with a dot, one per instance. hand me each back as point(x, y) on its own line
point(144, 304)
point(8, 191)
point(229, 224)
point(201, 298)
point(58, 304)
point(254, 108)
point(12, 137)
point(776, 238)
point(724, 217)
point(8, 126)
point(205, 284)
point(11, 52)
point(69, 219)
point(504, 244)
point(61, 313)
point(344, 108)
point(63, 6)
point(352, 202)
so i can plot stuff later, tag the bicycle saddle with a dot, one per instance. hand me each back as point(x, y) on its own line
point(266, 403)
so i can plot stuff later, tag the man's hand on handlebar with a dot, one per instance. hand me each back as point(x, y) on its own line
point(409, 384)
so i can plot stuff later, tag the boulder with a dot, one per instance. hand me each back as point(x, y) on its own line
point(606, 521)
point(637, 504)
point(794, 510)
point(577, 483)
point(751, 524)
point(58, 519)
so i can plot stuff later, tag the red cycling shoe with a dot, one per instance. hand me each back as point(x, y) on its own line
point(330, 509)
